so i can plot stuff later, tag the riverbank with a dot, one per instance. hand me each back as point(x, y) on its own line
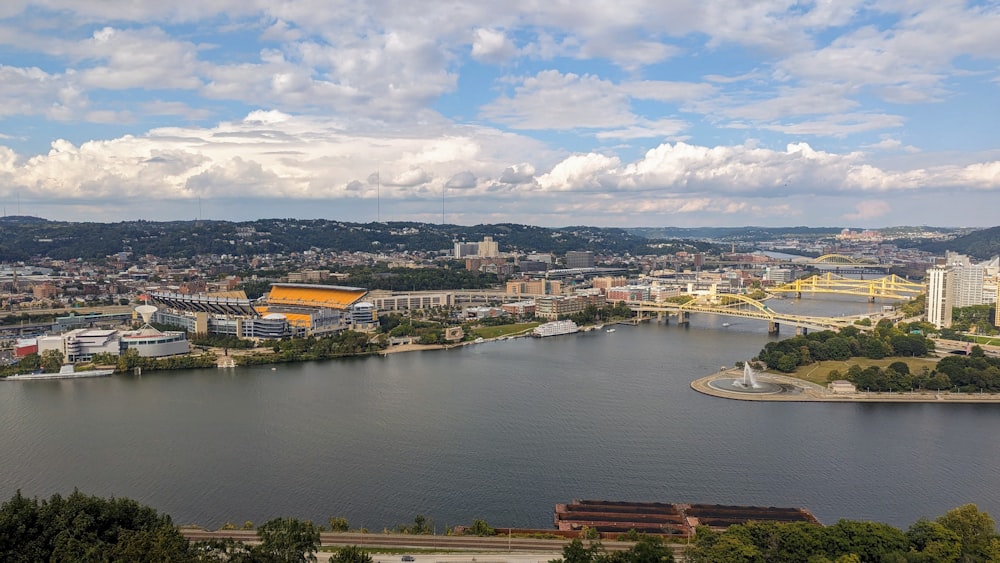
point(798, 390)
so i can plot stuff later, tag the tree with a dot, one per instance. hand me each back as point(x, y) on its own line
point(288, 540)
point(31, 362)
point(575, 552)
point(351, 554)
point(338, 524)
point(871, 541)
point(649, 549)
point(724, 549)
point(87, 528)
point(51, 360)
point(421, 525)
point(480, 528)
point(975, 530)
point(931, 541)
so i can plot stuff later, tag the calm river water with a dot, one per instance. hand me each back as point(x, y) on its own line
point(501, 431)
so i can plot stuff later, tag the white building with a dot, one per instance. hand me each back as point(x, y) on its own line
point(81, 344)
point(940, 295)
point(969, 284)
point(488, 248)
point(151, 343)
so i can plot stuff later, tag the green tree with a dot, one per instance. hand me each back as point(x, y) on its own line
point(31, 362)
point(871, 541)
point(338, 524)
point(975, 530)
point(932, 542)
point(724, 549)
point(287, 540)
point(51, 360)
point(421, 525)
point(80, 527)
point(480, 528)
point(576, 552)
point(351, 554)
point(649, 549)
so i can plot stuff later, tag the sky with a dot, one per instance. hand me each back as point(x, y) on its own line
point(629, 113)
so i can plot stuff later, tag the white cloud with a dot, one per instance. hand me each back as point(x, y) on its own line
point(492, 46)
point(579, 173)
point(869, 209)
point(146, 58)
point(376, 86)
point(32, 91)
point(461, 181)
point(553, 100)
point(667, 91)
point(643, 129)
point(522, 173)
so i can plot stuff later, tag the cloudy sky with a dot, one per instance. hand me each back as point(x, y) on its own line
point(625, 113)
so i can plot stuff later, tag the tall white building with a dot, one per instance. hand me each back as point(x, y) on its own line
point(940, 295)
point(969, 285)
point(488, 248)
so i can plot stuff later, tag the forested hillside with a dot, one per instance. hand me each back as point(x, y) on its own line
point(24, 237)
point(981, 245)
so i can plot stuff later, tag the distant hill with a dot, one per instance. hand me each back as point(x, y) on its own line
point(981, 245)
point(23, 238)
point(21, 219)
point(733, 233)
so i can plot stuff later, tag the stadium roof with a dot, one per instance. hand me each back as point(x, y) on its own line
point(308, 295)
point(205, 303)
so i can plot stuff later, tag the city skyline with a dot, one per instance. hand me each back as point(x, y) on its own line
point(856, 114)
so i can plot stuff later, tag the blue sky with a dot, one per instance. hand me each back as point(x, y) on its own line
point(631, 113)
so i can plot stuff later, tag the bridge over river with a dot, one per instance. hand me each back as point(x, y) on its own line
point(743, 307)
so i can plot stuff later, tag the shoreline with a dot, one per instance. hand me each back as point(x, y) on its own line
point(808, 392)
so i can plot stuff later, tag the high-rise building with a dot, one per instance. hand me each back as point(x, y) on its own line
point(488, 248)
point(579, 259)
point(969, 284)
point(463, 249)
point(940, 295)
point(996, 320)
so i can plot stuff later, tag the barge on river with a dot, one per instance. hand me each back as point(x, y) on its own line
point(612, 518)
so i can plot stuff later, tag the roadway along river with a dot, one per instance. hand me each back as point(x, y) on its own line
point(501, 431)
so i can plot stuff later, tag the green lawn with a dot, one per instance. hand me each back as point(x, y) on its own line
point(819, 372)
point(503, 330)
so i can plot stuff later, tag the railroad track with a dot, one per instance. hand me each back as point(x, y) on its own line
point(493, 544)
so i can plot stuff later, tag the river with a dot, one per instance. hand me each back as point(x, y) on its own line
point(501, 430)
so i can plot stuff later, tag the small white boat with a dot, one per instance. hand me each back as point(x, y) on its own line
point(725, 324)
point(610, 330)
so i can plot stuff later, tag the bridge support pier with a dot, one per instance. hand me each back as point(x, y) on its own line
point(798, 295)
point(773, 327)
point(662, 317)
point(871, 299)
point(801, 331)
point(683, 318)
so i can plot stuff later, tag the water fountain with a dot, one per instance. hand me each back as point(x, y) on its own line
point(749, 381)
point(746, 384)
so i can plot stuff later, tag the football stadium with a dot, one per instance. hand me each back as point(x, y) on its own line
point(289, 309)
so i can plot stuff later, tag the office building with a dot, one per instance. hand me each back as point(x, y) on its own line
point(579, 259)
point(488, 248)
point(940, 295)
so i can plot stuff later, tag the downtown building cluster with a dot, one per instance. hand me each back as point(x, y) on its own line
point(956, 281)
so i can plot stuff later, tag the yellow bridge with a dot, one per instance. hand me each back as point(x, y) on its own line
point(738, 306)
point(841, 261)
point(888, 287)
